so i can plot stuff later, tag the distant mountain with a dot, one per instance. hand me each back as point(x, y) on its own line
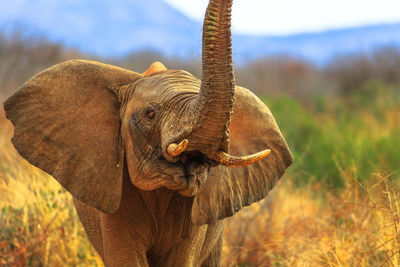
point(322, 46)
point(116, 28)
point(106, 28)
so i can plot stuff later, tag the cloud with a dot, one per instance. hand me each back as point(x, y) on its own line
point(293, 16)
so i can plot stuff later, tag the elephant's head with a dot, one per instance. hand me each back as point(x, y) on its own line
point(83, 122)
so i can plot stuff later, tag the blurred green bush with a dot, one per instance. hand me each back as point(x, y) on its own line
point(361, 130)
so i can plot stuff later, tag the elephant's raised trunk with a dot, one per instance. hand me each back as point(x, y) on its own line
point(214, 103)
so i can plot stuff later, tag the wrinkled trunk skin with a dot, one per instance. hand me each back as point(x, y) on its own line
point(215, 101)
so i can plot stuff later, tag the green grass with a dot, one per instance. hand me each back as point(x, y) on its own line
point(360, 130)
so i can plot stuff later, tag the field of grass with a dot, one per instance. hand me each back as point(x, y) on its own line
point(338, 205)
point(358, 226)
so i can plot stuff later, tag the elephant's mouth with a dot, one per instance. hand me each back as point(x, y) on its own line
point(191, 168)
point(195, 167)
point(194, 156)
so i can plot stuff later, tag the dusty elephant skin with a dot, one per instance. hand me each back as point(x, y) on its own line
point(147, 157)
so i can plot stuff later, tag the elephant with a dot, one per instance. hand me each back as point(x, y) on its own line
point(149, 157)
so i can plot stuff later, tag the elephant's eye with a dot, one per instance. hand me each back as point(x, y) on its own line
point(150, 114)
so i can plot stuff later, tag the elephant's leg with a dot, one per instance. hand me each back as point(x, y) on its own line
point(188, 251)
point(214, 258)
point(202, 242)
point(212, 248)
point(123, 246)
point(90, 218)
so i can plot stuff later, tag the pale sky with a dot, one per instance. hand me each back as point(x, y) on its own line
point(280, 17)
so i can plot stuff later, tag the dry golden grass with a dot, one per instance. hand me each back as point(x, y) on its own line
point(296, 226)
point(311, 226)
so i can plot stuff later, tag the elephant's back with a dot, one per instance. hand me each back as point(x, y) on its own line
point(90, 218)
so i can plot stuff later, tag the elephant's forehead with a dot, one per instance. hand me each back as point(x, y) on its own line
point(165, 84)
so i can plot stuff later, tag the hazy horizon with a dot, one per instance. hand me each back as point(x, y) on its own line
point(265, 17)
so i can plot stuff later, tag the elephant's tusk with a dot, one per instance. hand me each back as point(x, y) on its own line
point(225, 159)
point(176, 149)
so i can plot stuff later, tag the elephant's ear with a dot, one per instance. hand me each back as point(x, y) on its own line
point(227, 190)
point(67, 123)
